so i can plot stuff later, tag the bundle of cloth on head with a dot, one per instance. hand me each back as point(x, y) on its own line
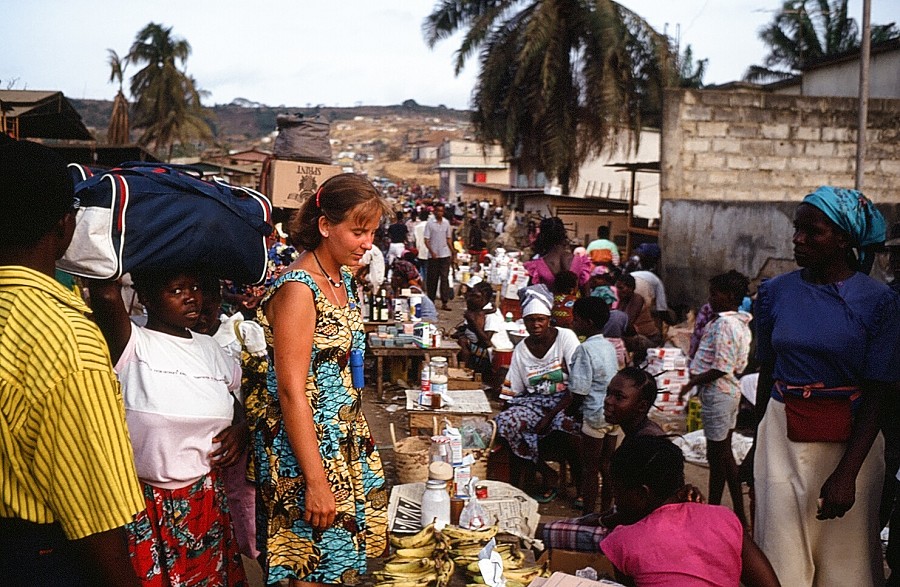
point(856, 215)
point(536, 299)
point(406, 269)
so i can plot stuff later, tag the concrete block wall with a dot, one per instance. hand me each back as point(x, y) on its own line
point(759, 147)
point(736, 164)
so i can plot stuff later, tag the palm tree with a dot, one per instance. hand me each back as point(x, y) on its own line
point(118, 131)
point(690, 72)
point(167, 103)
point(805, 30)
point(560, 80)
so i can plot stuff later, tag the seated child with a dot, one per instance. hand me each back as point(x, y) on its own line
point(482, 322)
point(629, 397)
point(564, 289)
point(592, 366)
point(667, 541)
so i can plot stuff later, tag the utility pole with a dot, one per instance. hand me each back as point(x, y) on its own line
point(864, 52)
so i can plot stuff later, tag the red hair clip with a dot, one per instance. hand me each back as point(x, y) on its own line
point(318, 197)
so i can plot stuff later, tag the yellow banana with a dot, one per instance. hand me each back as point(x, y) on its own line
point(445, 573)
point(420, 552)
point(414, 566)
point(422, 538)
point(459, 534)
point(524, 575)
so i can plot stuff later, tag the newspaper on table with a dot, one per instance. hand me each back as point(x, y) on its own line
point(509, 507)
point(467, 401)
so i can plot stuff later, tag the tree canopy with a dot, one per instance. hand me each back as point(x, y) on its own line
point(560, 80)
point(167, 101)
point(804, 30)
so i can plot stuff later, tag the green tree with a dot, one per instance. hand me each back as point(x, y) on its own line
point(690, 72)
point(560, 80)
point(804, 30)
point(167, 101)
point(118, 132)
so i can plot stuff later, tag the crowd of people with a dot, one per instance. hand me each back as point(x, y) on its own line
point(156, 449)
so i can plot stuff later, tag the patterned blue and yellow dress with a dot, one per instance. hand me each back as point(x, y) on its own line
point(292, 549)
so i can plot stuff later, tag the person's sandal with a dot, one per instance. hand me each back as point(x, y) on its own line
point(545, 497)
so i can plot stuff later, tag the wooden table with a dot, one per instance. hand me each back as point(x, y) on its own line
point(372, 325)
point(467, 403)
point(447, 349)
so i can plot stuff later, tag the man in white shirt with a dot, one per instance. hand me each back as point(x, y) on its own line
point(419, 234)
point(438, 240)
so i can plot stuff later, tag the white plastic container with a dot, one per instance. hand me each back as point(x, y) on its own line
point(435, 503)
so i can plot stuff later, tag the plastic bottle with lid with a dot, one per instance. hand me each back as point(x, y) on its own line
point(435, 503)
point(439, 375)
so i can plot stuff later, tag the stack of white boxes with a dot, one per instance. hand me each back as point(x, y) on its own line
point(670, 366)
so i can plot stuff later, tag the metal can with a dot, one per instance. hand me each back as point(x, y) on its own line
point(481, 491)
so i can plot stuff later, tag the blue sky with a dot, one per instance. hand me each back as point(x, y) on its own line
point(337, 53)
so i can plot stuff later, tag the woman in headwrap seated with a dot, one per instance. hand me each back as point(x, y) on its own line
point(827, 338)
point(535, 389)
point(404, 275)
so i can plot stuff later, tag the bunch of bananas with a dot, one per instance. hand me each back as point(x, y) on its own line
point(420, 560)
point(466, 544)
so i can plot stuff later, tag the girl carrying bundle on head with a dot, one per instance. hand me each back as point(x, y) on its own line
point(185, 428)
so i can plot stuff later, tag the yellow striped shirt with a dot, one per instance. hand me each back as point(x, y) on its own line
point(65, 454)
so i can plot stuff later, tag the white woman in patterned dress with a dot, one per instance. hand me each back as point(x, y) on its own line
point(320, 477)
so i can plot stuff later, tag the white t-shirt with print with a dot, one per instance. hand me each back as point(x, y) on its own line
point(178, 396)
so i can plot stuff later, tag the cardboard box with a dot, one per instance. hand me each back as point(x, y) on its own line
point(569, 561)
point(291, 182)
point(567, 580)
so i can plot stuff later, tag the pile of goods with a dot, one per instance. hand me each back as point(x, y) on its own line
point(670, 366)
point(430, 557)
point(422, 559)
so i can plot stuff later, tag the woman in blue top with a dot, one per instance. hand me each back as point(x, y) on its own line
point(827, 345)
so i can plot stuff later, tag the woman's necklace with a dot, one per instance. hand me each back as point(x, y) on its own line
point(334, 283)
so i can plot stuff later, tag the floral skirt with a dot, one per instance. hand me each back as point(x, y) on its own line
point(185, 537)
point(516, 423)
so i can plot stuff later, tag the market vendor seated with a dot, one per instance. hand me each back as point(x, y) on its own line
point(535, 391)
point(404, 275)
point(482, 322)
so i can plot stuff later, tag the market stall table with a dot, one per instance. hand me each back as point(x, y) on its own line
point(372, 325)
point(463, 403)
point(447, 349)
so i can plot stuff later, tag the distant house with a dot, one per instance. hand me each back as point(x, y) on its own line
point(462, 162)
point(838, 75)
point(49, 118)
point(423, 153)
point(618, 189)
point(26, 114)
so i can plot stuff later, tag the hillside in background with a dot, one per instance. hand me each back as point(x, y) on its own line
point(382, 135)
point(244, 121)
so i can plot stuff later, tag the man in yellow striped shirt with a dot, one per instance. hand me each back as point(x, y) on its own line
point(67, 477)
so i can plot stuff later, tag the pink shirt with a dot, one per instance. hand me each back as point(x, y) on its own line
point(679, 545)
